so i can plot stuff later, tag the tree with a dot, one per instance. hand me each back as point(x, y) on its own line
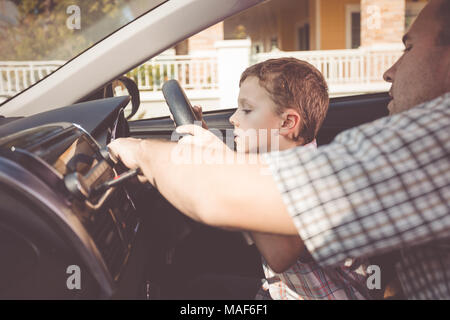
point(41, 33)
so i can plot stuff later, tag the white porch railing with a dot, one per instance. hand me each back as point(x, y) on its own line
point(197, 72)
point(193, 73)
point(345, 70)
point(16, 76)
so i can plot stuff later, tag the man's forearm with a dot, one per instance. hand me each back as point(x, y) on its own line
point(279, 251)
point(155, 162)
point(216, 194)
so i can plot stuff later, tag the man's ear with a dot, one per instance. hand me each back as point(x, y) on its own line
point(290, 123)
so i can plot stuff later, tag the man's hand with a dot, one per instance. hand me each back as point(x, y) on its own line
point(127, 150)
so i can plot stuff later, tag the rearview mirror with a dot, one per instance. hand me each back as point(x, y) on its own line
point(126, 86)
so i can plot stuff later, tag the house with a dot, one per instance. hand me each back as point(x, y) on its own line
point(351, 42)
point(299, 25)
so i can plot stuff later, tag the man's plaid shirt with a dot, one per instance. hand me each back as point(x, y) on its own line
point(377, 188)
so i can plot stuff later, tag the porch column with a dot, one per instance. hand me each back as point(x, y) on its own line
point(233, 57)
point(382, 23)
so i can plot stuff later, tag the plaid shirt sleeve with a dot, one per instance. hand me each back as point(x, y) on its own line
point(376, 188)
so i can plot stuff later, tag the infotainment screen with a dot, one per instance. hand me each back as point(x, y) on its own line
point(79, 157)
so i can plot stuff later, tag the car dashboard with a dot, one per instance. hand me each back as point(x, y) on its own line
point(63, 237)
point(50, 215)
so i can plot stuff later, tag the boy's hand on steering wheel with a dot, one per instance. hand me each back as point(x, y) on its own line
point(199, 115)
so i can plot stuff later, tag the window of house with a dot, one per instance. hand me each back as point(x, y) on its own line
point(356, 30)
point(274, 43)
point(353, 26)
point(303, 37)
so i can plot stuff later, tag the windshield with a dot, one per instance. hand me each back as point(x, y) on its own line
point(39, 36)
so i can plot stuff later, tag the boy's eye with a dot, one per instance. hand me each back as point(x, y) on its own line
point(246, 111)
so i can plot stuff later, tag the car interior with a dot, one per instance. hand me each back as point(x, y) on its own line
point(133, 242)
point(128, 241)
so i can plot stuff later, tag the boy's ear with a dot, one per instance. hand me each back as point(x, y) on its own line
point(290, 123)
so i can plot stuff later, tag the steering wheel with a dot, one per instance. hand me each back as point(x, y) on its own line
point(178, 103)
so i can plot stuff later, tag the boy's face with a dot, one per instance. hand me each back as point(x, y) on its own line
point(255, 120)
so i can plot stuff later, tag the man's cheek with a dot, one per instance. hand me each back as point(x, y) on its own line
point(390, 107)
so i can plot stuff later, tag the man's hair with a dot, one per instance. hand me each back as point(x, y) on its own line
point(443, 13)
point(292, 83)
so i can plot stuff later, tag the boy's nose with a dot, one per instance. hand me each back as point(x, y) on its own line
point(233, 120)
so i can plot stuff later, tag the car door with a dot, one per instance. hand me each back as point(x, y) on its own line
point(343, 113)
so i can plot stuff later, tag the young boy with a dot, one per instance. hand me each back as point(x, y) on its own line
point(282, 104)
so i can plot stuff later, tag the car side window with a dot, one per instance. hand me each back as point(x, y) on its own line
point(345, 40)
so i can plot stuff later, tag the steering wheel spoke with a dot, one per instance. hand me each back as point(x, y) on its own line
point(178, 103)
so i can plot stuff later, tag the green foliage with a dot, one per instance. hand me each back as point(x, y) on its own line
point(41, 32)
point(156, 74)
